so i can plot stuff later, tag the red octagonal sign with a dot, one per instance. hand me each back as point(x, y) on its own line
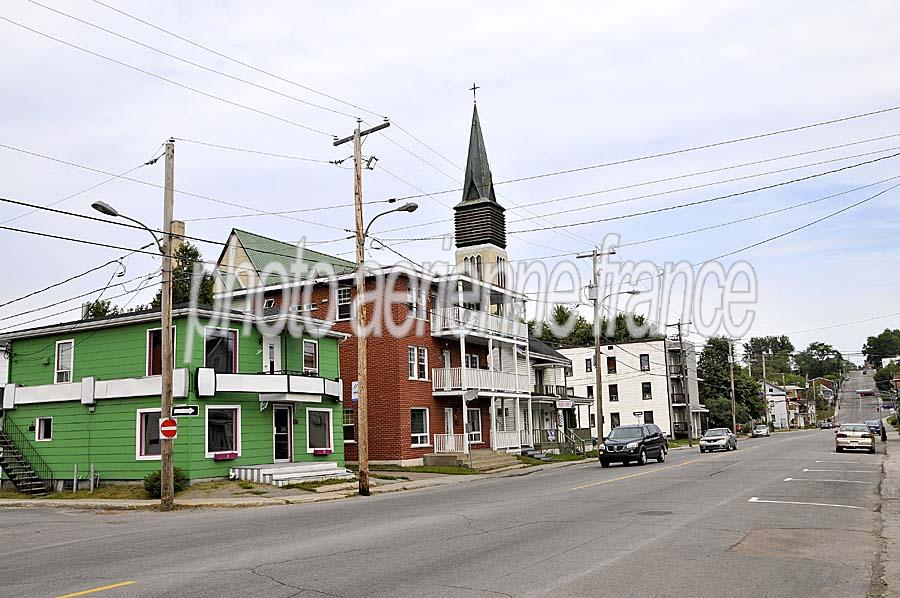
point(168, 428)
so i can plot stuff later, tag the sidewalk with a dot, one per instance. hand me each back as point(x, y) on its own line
point(240, 503)
point(890, 516)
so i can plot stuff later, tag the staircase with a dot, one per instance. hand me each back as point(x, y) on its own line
point(21, 462)
point(482, 459)
point(282, 474)
point(536, 454)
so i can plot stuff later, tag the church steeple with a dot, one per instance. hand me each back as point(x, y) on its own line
point(479, 219)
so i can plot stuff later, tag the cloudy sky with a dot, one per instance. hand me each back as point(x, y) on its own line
point(561, 88)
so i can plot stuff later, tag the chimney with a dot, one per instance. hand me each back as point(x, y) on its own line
point(177, 233)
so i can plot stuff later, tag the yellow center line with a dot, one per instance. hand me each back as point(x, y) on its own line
point(100, 589)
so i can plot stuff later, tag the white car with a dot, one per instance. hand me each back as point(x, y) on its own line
point(760, 430)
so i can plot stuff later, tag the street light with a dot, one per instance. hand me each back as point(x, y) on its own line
point(166, 457)
point(362, 442)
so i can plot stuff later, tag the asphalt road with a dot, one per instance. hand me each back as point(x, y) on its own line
point(782, 516)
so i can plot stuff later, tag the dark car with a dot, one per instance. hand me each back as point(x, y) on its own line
point(874, 426)
point(636, 443)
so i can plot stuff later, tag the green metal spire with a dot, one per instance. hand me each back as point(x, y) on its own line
point(478, 183)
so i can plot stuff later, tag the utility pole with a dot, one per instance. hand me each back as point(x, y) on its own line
point(684, 385)
point(598, 382)
point(362, 441)
point(167, 453)
point(731, 375)
point(765, 394)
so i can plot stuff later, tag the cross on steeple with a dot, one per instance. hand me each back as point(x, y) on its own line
point(474, 89)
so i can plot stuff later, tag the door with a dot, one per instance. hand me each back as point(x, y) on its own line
point(446, 355)
point(474, 425)
point(271, 355)
point(282, 417)
point(448, 420)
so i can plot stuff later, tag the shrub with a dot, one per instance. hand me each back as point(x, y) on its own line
point(152, 482)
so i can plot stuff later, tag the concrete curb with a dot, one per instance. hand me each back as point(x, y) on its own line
point(890, 516)
point(245, 503)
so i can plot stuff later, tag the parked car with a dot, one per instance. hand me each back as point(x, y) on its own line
point(854, 436)
point(825, 425)
point(874, 426)
point(718, 439)
point(636, 443)
point(760, 430)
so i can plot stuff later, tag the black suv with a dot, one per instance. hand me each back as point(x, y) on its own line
point(636, 443)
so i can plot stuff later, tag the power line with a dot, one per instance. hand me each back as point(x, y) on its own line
point(251, 151)
point(58, 284)
point(167, 80)
point(236, 61)
point(713, 199)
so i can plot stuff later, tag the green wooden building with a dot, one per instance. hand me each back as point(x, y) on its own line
point(265, 392)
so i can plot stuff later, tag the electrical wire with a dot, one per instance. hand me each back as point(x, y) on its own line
point(251, 151)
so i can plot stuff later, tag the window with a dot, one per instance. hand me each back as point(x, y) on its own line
point(318, 430)
point(269, 303)
point(221, 350)
point(473, 361)
point(588, 365)
point(418, 419)
point(613, 393)
point(614, 420)
point(645, 362)
point(416, 303)
point(590, 391)
point(593, 420)
point(349, 425)
point(570, 391)
point(222, 430)
point(646, 391)
point(307, 307)
point(478, 267)
point(65, 352)
point(610, 365)
point(310, 357)
point(43, 429)
point(343, 303)
point(418, 363)
point(270, 358)
point(648, 417)
point(501, 272)
point(148, 445)
point(154, 351)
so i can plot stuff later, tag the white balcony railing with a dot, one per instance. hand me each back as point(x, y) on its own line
point(448, 379)
point(449, 443)
point(507, 439)
point(451, 319)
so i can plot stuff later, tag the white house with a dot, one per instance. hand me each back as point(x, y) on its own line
point(778, 407)
point(643, 382)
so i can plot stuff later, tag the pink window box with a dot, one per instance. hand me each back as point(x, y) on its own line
point(225, 456)
point(322, 452)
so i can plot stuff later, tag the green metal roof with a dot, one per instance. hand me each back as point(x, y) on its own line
point(265, 252)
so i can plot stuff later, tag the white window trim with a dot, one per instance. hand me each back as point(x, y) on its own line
point(56, 361)
point(239, 434)
point(480, 429)
point(268, 302)
point(337, 304)
point(237, 340)
point(174, 344)
point(344, 423)
point(307, 370)
point(309, 450)
point(37, 429)
point(417, 350)
point(427, 433)
point(137, 436)
point(416, 304)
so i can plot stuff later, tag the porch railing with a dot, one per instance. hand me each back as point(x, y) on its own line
point(678, 398)
point(507, 439)
point(445, 319)
point(449, 443)
point(526, 438)
point(549, 390)
point(452, 379)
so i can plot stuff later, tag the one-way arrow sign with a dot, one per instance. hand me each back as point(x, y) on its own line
point(185, 410)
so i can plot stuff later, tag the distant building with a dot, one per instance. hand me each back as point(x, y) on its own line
point(778, 410)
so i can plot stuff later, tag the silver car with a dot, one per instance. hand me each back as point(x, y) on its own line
point(760, 430)
point(718, 439)
point(854, 436)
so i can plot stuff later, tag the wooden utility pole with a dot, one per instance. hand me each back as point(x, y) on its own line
point(362, 425)
point(598, 378)
point(684, 384)
point(731, 375)
point(765, 394)
point(167, 454)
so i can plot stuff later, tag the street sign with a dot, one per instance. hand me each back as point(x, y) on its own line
point(185, 410)
point(637, 413)
point(168, 428)
point(354, 391)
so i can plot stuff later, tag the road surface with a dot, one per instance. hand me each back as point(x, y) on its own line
point(781, 516)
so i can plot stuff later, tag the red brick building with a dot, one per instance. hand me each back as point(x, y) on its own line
point(435, 338)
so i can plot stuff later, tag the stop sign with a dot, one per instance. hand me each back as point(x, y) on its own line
point(168, 428)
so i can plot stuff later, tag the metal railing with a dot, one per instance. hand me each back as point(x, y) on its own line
point(678, 398)
point(549, 390)
point(27, 450)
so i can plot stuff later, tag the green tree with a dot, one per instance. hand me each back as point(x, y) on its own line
point(886, 344)
point(777, 350)
point(185, 256)
point(819, 359)
point(582, 333)
point(715, 386)
point(883, 376)
point(101, 309)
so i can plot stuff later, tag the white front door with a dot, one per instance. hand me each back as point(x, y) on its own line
point(271, 354)
point(448, 420)
point(446, 358)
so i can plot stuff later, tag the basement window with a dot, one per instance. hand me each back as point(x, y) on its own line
point(43, 429)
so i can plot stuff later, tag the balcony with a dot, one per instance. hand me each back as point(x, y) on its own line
point(458, 320)
point(679, 398)
point(270, 387)
point(451, 379)
point(549, 390)
point(676, 369)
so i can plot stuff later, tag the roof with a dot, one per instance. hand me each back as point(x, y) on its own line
point(265, 251)
point(542, 349)
point(478, 184)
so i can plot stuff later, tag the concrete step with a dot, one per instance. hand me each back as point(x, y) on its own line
point(279, 475)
